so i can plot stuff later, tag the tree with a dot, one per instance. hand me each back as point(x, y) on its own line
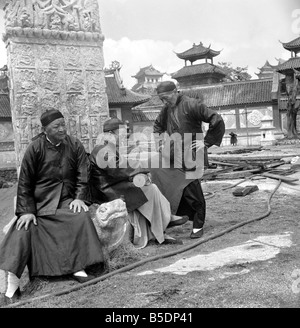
point(292, 90)
point(235, 74)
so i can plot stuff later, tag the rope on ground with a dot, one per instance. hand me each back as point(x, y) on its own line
point(150, 259)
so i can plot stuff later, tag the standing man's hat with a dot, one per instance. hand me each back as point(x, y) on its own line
point(50, 116)
point(112, 124)
point(165, 86)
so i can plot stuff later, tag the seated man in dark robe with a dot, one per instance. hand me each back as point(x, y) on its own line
point(112, 176)
point(53, 234)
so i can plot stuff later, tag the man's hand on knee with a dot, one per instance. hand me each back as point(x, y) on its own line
point(25, 220)
point(77, 205)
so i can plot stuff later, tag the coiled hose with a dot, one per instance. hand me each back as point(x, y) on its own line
point(156, 257)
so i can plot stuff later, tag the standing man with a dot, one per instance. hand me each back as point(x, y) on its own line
point(184, 115)
point(54, 234)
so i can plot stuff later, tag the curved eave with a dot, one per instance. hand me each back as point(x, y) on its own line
point(289, 65)
point(189, 55)
point(293, 45)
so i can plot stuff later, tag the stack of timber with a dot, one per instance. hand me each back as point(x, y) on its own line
point(240, 169)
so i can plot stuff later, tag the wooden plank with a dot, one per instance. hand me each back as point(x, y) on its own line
point(232, 175)
point(279, 177)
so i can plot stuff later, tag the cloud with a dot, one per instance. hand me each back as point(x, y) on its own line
point(135, 54)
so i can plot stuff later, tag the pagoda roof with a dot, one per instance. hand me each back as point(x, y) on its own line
point(288, 65)
point(293, 45)
point(204, 68)
point(198, 52)
point(149, 71)
point(5, 111)
point(119, 95)
point(234, 93)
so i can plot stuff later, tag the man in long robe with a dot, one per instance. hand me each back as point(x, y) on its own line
point(112, 178)
point(54, 234)
point(182, 115)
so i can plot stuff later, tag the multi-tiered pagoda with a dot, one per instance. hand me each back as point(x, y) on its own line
point(266, 71)
point(287, 68)
point(199, 74)
point(147, 79)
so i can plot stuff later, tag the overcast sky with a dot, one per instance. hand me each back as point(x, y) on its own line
point(143, 32)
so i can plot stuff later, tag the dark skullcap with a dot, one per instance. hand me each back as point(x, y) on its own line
point(165, 87)
point(50, 116)
point(112, 124)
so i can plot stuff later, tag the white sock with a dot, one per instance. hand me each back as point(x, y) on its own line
point(196, 230)
point(13, 283)
point(80, 273)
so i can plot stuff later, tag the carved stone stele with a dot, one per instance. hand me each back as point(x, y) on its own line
point(55, 60)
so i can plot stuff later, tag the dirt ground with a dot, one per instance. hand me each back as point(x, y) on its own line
point(267, 284)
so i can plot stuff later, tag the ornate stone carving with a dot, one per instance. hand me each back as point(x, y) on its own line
point(48, 79)
point(95, 81)
point(23, 55)
point(49, 100)
point(95, 126)
point(75, 81)
point(70, 57)
point(73, 127)
point(59, 15)
point(97, 103)
point(55, 60)
point(26, 104)
point(47, 57)
point(94, 59)
point(35, 126)
point(25, 80)
point(76, 104)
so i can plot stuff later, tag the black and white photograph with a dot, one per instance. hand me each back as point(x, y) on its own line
point(149, 157)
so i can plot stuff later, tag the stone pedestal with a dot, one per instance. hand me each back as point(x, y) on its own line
point(55, 60)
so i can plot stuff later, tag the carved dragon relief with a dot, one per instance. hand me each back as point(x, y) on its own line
point(53, 15)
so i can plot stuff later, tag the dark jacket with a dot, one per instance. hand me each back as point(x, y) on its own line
point(45, 169)
point(110, 183)
point(190, 115)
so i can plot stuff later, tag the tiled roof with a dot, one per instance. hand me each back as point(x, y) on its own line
point(233, 93)
point(204, 68)
point(198, 52)
point(144, 115)
point(292, 45)
point(293, 62)
point(4, 106)
point(117, 96)
point(148, 70)
point(154, 101)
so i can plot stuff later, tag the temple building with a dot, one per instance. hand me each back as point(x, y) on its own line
point(266, 71)
point(146, 80)
point(200, 73)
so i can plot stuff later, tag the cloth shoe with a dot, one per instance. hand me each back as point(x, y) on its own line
point(10, 300)
point(171, 241)
point(180, 221)
point(83, 279)
point(198, 234)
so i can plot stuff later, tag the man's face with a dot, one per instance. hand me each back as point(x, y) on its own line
point(56, 131)
point(169, 98)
